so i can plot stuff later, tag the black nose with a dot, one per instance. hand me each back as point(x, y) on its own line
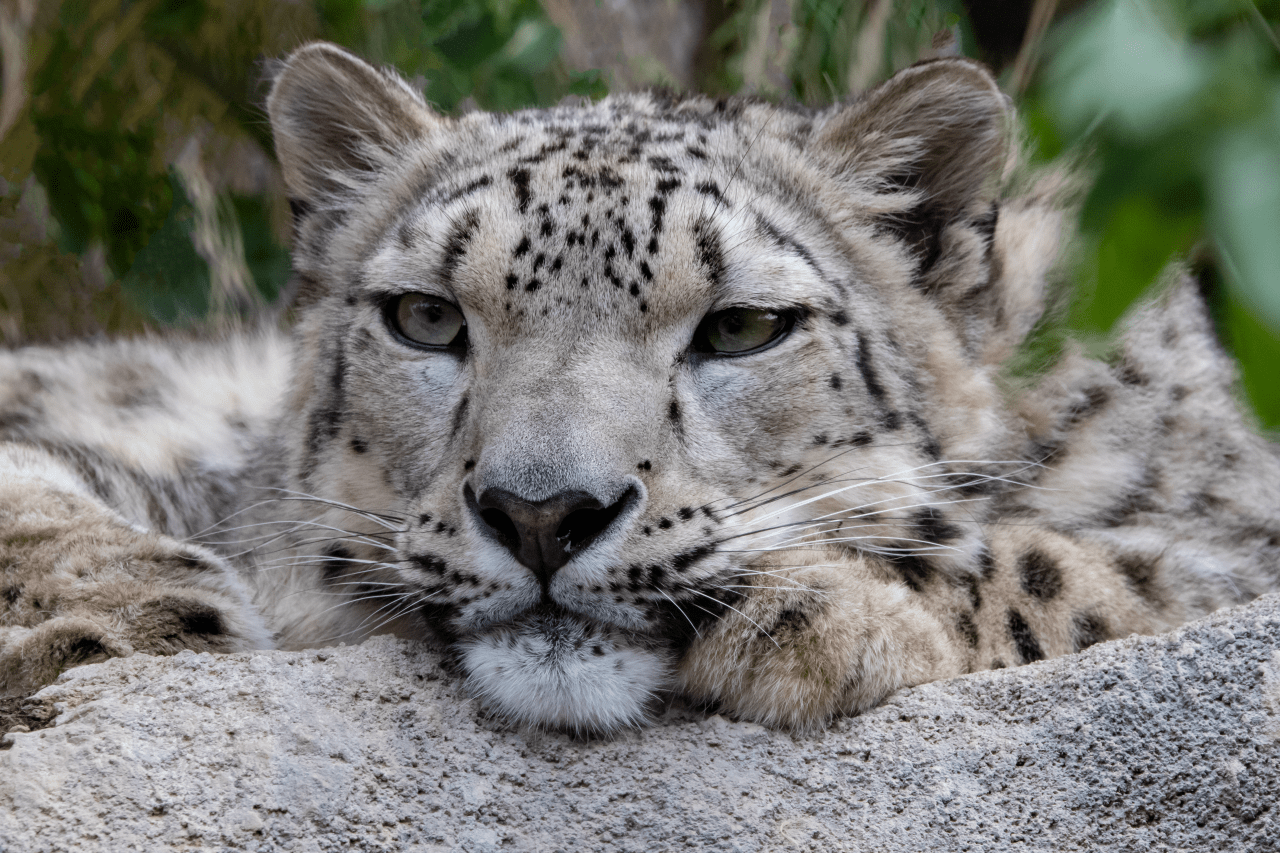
point(544, 534)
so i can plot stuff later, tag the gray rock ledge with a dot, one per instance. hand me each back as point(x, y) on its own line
point(1145, 744)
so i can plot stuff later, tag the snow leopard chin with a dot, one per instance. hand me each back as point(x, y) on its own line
point(554, 670)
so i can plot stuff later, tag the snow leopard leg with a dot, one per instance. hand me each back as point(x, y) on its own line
point(111, 455)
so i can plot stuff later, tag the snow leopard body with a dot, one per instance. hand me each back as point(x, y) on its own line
point(654, 395)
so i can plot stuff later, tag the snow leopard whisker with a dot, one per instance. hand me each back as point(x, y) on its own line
point(392, 615)
point(815, 544)
point(413, 598)
point(285, 562)
point(218, 525)
point(368, 584)
point(324, 558)
point(695, 591)
point(290, 526)
point(679, 610)
point(780, 573)
point(971, 478)
point(743, 159)
point(354, 539)
point(839, 517)
point(842, 515)
point(293, 524)
point(791, 479)
point(897, 478)
point(370, 514)
point(345, 536)
point(888, 478)
point(853, 483)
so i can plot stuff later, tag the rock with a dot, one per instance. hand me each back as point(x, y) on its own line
point(1149, 743)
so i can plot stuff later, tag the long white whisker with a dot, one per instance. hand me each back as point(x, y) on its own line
point(735, 610)
point(370, 514)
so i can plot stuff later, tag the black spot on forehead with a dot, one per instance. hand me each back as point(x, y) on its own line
point(789, 243)
point(464, 191)
point(710, 251)
point(520, 181)
point(456, 245)
point(663, 164)
point(866, 366)
point(544, 150)
point(712, 189)
point(657, 210)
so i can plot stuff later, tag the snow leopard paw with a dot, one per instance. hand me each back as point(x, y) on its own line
point(79, 584)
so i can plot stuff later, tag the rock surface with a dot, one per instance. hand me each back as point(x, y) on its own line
point(1150, 744)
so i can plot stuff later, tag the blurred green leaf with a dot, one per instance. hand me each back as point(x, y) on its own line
point(1244, 184)
point(1120, 64)
point(168, 280)
point(1177, 104)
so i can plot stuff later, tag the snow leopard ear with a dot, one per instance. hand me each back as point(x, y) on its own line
point(338, 121)
point(931, 142)
point(925, 156)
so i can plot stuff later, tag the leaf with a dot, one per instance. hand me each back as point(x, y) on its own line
point(1119, 63)
point(1245, 207)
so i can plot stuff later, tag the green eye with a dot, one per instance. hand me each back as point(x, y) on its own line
point(738, 331)
point(427, 320)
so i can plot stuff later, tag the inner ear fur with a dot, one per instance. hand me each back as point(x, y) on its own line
point(928, 156)
point(338, 121)
point(937, 132)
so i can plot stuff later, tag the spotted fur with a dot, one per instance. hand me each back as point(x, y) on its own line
point(584, 504)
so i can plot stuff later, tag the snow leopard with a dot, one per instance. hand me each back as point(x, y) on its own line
point(647, 398)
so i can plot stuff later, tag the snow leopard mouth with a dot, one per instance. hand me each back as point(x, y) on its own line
point(551, 668)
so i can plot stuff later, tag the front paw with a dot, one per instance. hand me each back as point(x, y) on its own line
point(78, 585)
point(812, 639)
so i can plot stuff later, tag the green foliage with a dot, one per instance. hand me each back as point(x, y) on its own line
point(832, 48)
point(115, 93)
point(117, 90)
point(832, 30)
point(1178, 105)
point(499, 54)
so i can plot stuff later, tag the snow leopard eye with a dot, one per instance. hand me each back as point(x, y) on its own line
point(740, 331)
point(426, 321)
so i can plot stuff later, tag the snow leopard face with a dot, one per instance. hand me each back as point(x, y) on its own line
point(597, 362)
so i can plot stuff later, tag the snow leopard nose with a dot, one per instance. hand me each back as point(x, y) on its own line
point(543, 535)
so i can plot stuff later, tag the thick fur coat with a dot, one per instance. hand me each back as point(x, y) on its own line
point(646, 395)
